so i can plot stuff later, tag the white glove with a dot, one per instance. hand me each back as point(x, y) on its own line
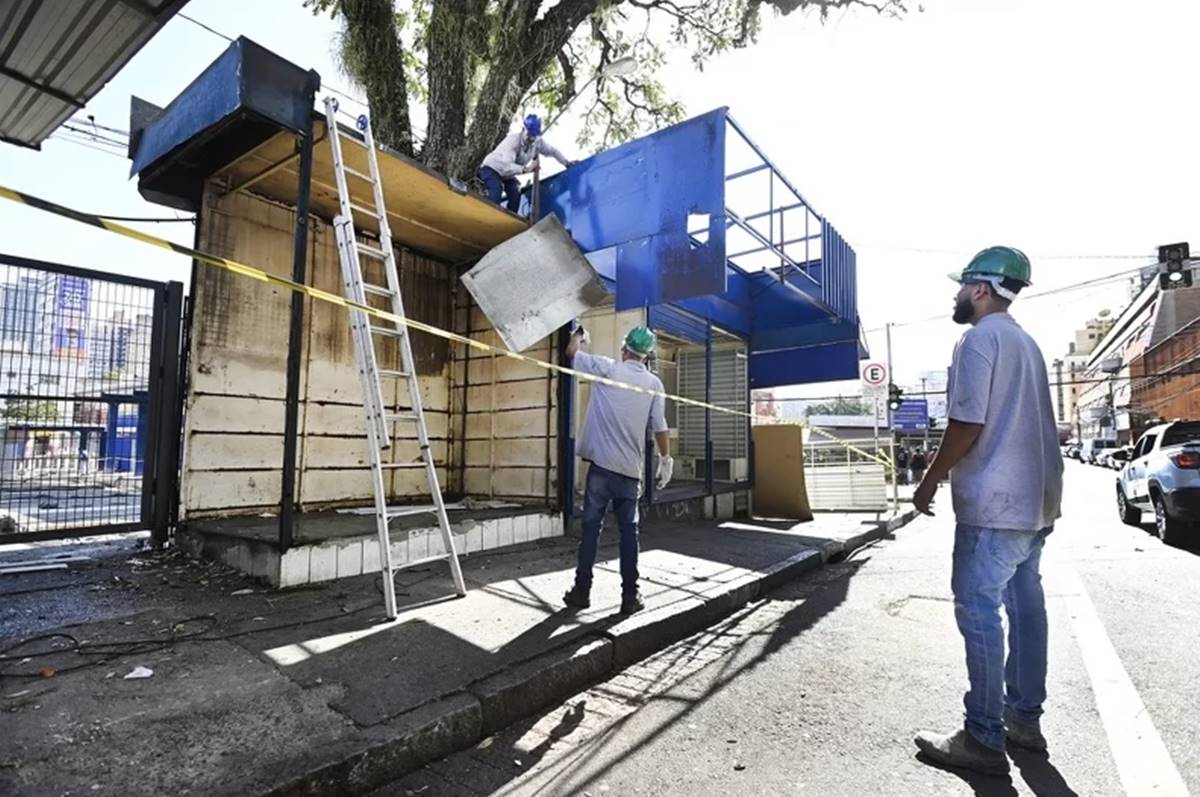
point(584, 336)
point(666, 466)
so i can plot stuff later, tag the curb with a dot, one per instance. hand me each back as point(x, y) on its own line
point(460, 720)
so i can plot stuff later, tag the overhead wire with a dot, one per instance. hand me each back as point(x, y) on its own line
point(1116, 277)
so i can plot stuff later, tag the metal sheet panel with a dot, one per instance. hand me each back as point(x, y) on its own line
point(821, 363)
point(648, 199)
point(680, 323)
point(57, 54)
point(846, 487)
point(533, 283)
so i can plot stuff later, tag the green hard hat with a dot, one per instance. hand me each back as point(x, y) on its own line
point(640, 341)
point(1003, 262)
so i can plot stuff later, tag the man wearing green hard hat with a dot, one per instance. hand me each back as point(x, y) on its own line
point(614, 444)
point(1000, 451)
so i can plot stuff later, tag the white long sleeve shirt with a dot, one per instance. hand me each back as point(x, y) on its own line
point(516, 150)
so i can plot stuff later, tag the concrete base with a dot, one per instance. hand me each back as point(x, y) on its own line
point(343, 555)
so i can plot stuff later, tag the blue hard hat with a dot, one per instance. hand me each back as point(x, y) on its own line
point(533, 125)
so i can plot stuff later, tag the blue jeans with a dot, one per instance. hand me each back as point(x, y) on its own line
point(494, 182)
point(994, 566)
point(605, 487)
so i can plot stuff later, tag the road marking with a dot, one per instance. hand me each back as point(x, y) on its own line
point(1142, 759)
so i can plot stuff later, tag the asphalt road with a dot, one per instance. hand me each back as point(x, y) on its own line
point(819, 689)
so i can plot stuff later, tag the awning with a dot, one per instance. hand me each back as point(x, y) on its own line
point(55, 55)
point(235, 126)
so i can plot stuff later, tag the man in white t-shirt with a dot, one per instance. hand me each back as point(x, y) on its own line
point(1001, 453)
point(614, 443)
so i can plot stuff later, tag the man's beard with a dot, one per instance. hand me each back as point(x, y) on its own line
point(964, 311)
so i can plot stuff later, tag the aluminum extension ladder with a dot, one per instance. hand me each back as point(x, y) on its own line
point(380, 415)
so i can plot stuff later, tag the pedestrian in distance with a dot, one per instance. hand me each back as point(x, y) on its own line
point(516, 154)
point(918, 463)
point(614, 444)
point(902, 465)
point(1000, 450)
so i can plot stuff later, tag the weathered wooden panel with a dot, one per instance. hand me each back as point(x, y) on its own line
point(508, 395)
point(239, 349)
point(526, 452)
point(228, 491)
point(235, 451)
point(507, 369)
point(524, 482)
point(516, 423)
point(208, 413)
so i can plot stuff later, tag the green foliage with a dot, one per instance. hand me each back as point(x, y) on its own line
point(30, 410)
point(497, 59)
point(840, 406)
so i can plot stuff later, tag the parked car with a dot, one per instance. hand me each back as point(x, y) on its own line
point(1090, 450)
point(1073, 451)
point(1117, 459)
point(1163, 476)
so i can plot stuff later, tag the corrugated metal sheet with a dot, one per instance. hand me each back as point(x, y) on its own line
point(55, 55)
point(857, 486)
point(728, 390)
point(680, 323)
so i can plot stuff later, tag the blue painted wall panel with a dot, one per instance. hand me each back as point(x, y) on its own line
point(638, 197)
point(829, 363)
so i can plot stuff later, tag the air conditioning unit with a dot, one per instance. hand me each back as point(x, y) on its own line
point(1110, 365)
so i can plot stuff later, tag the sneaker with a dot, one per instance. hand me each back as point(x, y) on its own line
point(961, 749)
point(632, 604)
point(1024, 734)
point(577, 599)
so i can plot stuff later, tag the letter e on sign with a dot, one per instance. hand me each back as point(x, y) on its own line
point(874, 379)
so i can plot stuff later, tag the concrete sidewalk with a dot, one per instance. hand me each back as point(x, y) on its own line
point(310, 691)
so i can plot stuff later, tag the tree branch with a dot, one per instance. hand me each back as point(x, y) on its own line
point(374, 55)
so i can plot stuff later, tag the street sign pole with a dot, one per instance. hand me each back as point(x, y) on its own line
point(891, 432)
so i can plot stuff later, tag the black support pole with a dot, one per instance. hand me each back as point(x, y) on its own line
point(291, 418)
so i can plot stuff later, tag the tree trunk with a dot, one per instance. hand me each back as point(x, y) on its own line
point(450, 31)
point(377, 61)
point(515, 67)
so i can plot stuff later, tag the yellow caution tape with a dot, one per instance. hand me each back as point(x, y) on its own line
point(383, 315)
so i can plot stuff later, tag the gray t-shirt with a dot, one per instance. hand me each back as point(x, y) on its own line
point(614, 432)
point(1012, 477)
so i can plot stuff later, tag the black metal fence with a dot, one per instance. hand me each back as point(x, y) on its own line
point(89, 401)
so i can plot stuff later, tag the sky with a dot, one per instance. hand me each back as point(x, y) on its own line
point(1064, 128)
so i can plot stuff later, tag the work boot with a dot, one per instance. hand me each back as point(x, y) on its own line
point(632, 604)
point(577, 599)
point(961, 749)
point(1024, 734)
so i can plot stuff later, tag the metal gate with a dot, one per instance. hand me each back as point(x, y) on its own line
point(89, 401)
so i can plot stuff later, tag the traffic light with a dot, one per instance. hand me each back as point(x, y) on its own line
point(1174, 273)
point(895, 397)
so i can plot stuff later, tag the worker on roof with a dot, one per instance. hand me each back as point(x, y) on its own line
point(516, 154)
point(1001, 452)
point(614, 443)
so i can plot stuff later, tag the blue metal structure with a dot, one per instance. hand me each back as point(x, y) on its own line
point(697, 224)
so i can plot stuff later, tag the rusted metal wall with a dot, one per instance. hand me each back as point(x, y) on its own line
point(233, 447)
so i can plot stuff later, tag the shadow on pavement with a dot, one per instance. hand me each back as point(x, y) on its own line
point(581, 769)
point(1039, 774)
point(981, 784)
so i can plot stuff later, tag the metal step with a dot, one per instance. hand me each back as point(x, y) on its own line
point(360, 175)
point(394, 374)
point(371, 251)
point(391, 333)
point(364, 210)
point(376, 290)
